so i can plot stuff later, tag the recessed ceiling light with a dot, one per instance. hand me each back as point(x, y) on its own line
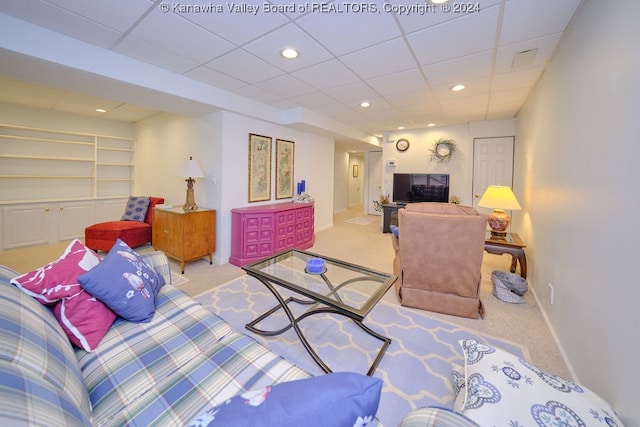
point(456, 88)
point(364, 104)
point(290, 53)
point(400, 127)
point(431, 124)
point(101, 110)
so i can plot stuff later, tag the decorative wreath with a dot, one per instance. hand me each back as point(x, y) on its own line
point(443, 150)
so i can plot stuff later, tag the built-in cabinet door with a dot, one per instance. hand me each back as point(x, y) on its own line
point(73, 218)
point(26, 225)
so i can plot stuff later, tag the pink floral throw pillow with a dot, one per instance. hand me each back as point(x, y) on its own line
point(83, 318)
point(58, 279)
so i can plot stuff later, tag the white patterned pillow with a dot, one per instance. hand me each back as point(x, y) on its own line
point(504, 390)
point(459, 383)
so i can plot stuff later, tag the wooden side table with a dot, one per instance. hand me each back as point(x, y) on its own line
point(510, 244)
point(390, 216)
point(185, 236)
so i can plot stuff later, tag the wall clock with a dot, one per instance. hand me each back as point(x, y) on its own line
point(402, 144)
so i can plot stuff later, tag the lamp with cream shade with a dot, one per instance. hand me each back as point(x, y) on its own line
point(190, 171)
point(499, 198)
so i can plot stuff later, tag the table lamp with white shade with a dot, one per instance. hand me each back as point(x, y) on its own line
point(499, 198)
point(190, 171)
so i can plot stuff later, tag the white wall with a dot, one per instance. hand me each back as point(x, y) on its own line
point(417, 159)
point(340, 180)
point(220, 142)
point(164, 143)
point(576, 170)
point(39, 118)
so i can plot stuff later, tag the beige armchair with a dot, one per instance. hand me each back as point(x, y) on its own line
point(438, 257)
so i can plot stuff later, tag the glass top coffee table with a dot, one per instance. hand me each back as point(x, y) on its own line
point(336, 287)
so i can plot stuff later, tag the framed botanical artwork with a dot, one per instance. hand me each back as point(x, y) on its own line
point(284, 168)
point(259, 168)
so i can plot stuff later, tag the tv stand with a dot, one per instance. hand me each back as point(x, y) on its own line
point(390, 215)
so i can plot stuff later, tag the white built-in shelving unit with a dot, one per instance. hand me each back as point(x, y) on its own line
point(44, 164)
point(55, 183)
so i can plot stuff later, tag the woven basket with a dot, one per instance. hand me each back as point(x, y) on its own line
point(502, 291)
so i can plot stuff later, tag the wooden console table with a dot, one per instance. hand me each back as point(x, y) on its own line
point(510, 244)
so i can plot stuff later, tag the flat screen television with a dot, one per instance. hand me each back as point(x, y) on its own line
point(420, 187)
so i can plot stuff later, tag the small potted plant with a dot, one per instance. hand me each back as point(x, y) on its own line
point(383, 200)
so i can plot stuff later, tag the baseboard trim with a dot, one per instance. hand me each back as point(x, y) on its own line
point(563, 354)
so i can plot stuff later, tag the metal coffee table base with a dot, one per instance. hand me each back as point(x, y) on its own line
point(293, 323)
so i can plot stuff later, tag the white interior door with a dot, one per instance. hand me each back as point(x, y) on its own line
point(374, 180)
point(492, 164)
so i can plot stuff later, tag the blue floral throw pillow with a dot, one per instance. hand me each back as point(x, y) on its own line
point(504, 390)
point(341, 399)
point(136, 209)
point(125, 283)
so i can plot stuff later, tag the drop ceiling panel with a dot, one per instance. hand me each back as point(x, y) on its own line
point(185, 38)
point(326, 75)
point(412, 20)
point(269, 47)
point(342, 33)
point(62, 21)
point(545, 48)
point(352, 92)
point(456, 38)
point(400, 82)
point(237, 28)
point(459, 70)
point(286, 86)
point(245, 67)
point(155, 55)
point(117, 14)
point(516, 79)
point(526, 19)
point(386, 58)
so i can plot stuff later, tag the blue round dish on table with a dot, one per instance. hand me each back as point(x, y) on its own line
point(316, 266)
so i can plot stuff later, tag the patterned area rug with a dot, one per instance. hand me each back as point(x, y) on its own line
point(178, 279)
point(416, 368)
point(362, 220)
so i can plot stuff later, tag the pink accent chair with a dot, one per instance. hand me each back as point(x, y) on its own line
point(102, 236)
point(438, 258)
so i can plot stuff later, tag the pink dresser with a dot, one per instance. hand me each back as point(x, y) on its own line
point(261, 231)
